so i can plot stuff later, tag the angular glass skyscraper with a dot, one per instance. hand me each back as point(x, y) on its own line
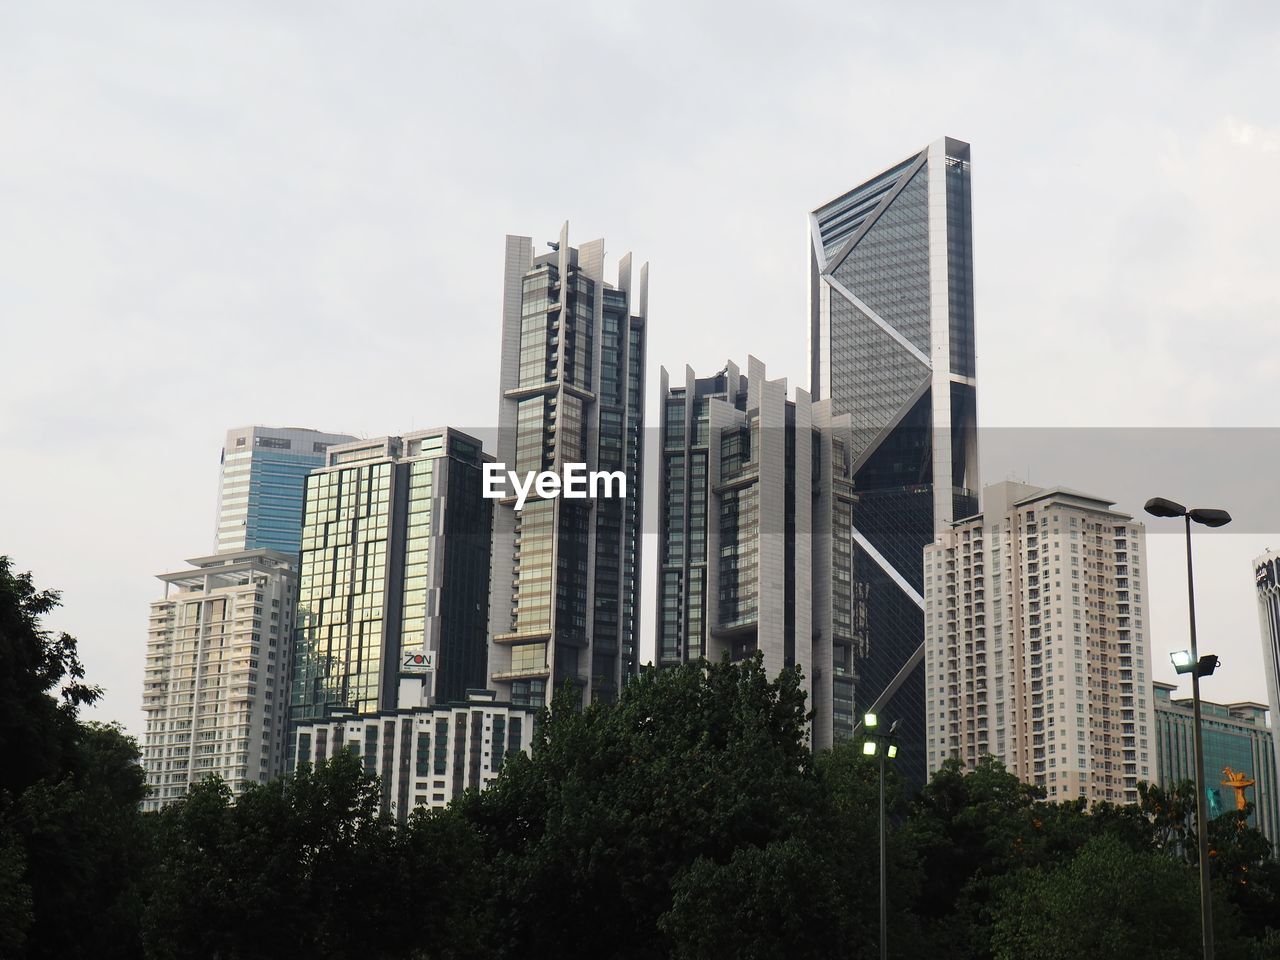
point(566, 573)
point(891, 344)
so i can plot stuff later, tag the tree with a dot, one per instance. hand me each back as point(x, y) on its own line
point(38, 730)
point(70, 835)
point(590, 833)
point(814, 893)
point(1109, 902)
point(301, 866)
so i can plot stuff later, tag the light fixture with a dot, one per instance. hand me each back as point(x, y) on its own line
point(869, 748)
point(1182, 661)
point(1160, 507)
point(870, 720)
point(1208, 663)
point(1209, 516)
point(893, 750)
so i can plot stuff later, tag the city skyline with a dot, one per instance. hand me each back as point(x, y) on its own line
point(357, 283)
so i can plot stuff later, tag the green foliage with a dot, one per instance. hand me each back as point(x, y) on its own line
point(1109, 902)
point(688, 820)
point(589, 834)
point(38, 730)
point(297, 866)
point(73, 855)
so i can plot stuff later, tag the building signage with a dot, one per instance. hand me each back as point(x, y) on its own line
point(418, 661)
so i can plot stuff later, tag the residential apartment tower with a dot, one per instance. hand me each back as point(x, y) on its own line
point(1036, 643)
point(215, 690)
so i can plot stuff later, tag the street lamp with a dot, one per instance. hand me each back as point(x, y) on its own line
point(1190, 661)
point(881, 745)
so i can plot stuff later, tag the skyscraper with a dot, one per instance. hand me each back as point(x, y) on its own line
point(1266, 574)
point(891, 344)
point(395, 564)
point(754, 534)
point(260, 485)
point(566, 573)
point(216, 686)
point(1036, 644)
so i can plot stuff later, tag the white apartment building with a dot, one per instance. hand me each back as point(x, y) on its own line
point(425, 756)
point(1036, 647)
point(217, 673)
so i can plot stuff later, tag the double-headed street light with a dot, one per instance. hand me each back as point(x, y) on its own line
point(881, 745)
point(1190, 661)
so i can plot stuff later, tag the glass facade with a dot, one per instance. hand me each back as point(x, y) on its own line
point(875, 337)
point(1236, 738)
point(567, 571)
point(395, 559)
point(262, 487)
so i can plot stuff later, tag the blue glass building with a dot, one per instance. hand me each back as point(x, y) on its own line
point(262, 486)
point(1236, 737)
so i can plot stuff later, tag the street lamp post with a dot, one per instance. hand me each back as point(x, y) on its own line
point(882, 746)
point(1191, 662)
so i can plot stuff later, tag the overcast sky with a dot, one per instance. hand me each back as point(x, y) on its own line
point(293, 214)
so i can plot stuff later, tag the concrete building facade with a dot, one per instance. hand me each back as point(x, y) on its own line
point(566, 573)
point(754, 535)
point(215, 690)
point(425, 756)
point(1036, 644)
point(1266, 576)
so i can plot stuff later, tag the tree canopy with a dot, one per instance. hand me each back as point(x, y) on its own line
point(687, 820)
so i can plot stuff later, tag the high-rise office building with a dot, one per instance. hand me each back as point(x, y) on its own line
point(891, 343)
point(566, 572)
point(1036, 645)
point(216, 685)
point(394, 566)
point(260, 487)
point(754, 535)
point(1266, 573)
point(1238, 748)
point(425, 756)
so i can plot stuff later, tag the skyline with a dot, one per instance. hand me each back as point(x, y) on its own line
point(319, 208)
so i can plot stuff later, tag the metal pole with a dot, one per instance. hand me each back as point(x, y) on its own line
point(884, 894)
point(1202, 820)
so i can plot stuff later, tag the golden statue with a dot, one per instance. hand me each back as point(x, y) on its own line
point(1239, 782)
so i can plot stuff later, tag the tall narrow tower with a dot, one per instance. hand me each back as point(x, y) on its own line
point(566, 572)
point(891, 344)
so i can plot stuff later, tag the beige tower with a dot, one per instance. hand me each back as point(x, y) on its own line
point(1036, 648)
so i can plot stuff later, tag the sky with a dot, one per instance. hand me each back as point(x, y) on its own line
point(294, 214)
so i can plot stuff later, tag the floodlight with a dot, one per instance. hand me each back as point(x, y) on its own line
point(869, 748)
point(893, 751)
point(870, 720)
point(1182, 661)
